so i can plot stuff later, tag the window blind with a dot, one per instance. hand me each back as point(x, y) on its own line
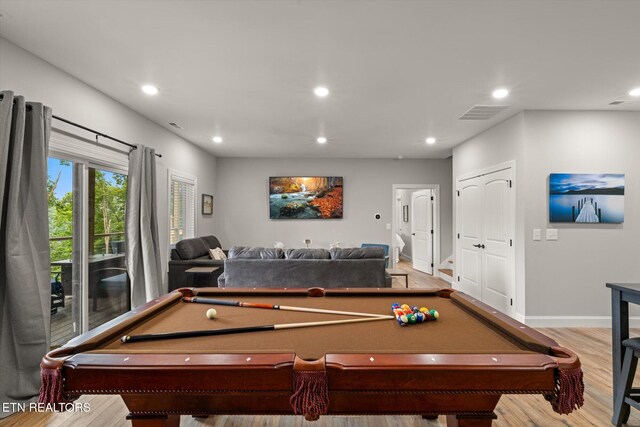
point(182, 210)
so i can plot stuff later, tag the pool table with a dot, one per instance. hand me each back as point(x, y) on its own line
point(457, 366)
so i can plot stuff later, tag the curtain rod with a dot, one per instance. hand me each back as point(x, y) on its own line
point(69, 122)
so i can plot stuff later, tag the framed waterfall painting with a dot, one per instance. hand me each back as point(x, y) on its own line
point(586, 198)
point(305, 197)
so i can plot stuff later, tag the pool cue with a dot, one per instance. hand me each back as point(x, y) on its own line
point(210, 332)
point(200, 300)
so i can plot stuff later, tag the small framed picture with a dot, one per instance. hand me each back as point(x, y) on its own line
point(207, 204)
point(405, 213)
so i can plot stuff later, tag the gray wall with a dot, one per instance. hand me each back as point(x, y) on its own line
point(37, 80)
point(242, 213)
point(565, 279)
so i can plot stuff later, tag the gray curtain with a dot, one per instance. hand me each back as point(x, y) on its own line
point(141, 227)
point(25, 289)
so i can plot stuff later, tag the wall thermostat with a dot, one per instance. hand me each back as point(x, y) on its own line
point(377, 216)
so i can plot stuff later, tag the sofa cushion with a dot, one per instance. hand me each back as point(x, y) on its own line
point(211, 242)
point(247, 252)
point(307, 254)
point(357, 253)
point(192, 248)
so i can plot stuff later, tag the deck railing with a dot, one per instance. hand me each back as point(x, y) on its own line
point(99, 246)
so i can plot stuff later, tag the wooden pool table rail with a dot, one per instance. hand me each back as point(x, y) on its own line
point(169, 384)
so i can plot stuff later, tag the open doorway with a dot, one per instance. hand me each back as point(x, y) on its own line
point(415, 226)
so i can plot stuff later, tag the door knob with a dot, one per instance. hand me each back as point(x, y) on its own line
point(477, 246)
point(413, 234)
point(482, 246)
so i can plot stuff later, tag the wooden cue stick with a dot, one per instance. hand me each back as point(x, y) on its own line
point(200, 300)
point(210, 332)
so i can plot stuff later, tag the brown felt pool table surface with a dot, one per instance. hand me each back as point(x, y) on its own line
point(456, 331)
point(458, 365)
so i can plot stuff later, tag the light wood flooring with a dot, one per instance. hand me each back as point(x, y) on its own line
point(417, 279)
point(592, 344)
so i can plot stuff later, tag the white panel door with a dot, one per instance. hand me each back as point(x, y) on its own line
point(469, 256)
point(496, 231)
point(485, 224)
point(422, 230)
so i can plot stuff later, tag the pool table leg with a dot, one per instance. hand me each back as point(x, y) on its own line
point(478, 420)
point(154, 420)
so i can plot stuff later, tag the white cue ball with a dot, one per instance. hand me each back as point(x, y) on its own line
point(212, 313)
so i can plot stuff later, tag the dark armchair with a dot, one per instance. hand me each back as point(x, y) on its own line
point(194, 253)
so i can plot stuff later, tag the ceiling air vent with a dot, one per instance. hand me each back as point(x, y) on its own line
point(175, 125)
point(482, 112)
point(616, 102)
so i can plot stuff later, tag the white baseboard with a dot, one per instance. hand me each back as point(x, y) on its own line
point(575, 321)
point(405, 257)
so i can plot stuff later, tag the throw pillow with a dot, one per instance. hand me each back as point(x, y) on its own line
point(217, 254)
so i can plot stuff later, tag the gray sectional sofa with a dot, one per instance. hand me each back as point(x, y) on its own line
point(304, 268)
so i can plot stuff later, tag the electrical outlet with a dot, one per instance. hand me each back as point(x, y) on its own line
point(552, 234)
point(388, 226)
point(537, 234)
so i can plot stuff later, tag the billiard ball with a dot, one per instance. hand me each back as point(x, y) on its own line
point(212, 313)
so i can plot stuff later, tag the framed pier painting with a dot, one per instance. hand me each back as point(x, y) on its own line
point(586, 198)
point(305, 197)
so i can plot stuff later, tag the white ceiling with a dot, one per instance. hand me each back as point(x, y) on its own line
point(398, 71)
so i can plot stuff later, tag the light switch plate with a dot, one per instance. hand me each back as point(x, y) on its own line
point(388, 226)
point(537, 234)
point(552, 234)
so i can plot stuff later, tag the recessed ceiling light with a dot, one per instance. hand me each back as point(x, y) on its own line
point(217, 139)
point(500, 93)
point(431, 140)
point(321, 91)
point(321, 140)
point(150, 89)
point(635, 92)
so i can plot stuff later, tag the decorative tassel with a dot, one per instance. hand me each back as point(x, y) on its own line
point(51, 388)
point(569, 392)
point(311, 394)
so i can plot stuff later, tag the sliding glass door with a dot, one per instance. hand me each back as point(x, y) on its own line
point(64, 209)
point(108, 282)
point(89, 283)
